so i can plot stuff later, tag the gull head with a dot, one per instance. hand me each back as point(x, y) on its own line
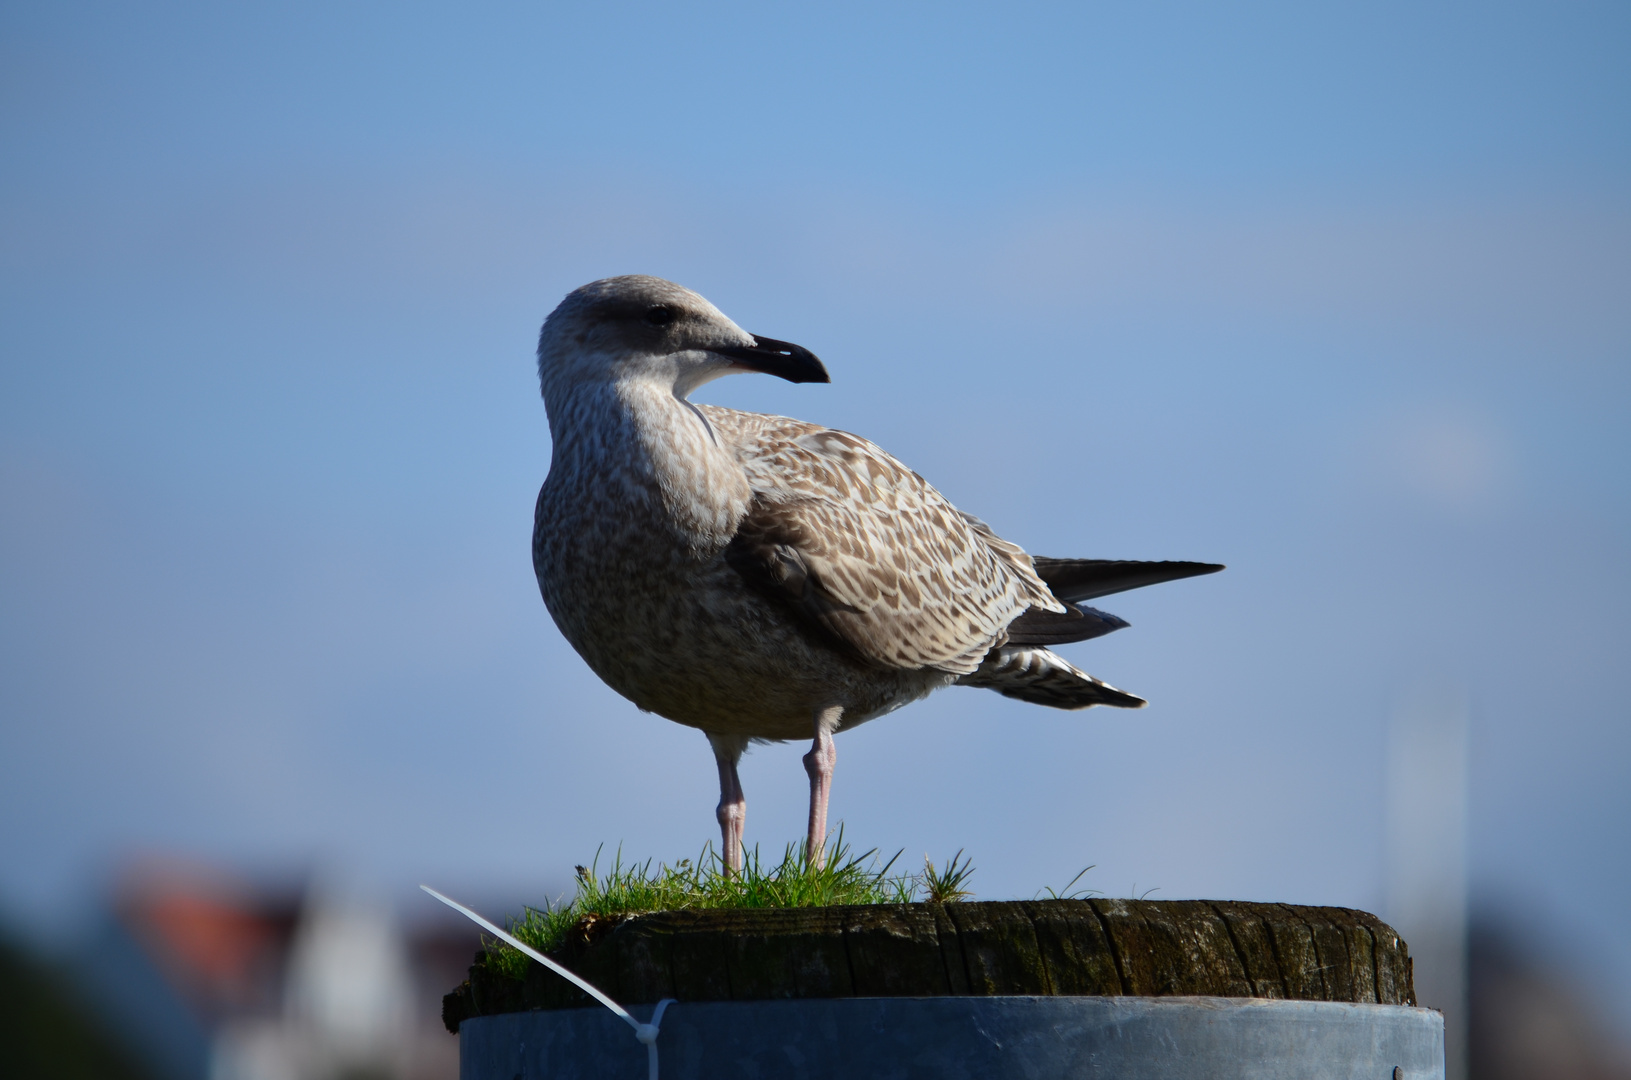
point(644, 328)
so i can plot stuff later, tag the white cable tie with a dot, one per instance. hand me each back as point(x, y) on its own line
point(645, 1033)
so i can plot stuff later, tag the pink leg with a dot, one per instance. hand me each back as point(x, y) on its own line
point(733, 807)
point(819, 764)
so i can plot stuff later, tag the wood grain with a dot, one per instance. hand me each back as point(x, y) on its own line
point(1096, 947)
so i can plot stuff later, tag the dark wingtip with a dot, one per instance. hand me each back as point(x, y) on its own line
point(1077, 622)
point(1075, 580)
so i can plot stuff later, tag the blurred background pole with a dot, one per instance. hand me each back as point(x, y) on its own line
point(1427, 852)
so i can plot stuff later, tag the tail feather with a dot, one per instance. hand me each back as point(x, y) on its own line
point(1044, 678)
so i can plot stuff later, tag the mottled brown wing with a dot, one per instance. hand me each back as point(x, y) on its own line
point(865, 548)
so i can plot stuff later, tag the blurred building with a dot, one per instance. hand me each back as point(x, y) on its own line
point(208, 977)
point(1527, 1019)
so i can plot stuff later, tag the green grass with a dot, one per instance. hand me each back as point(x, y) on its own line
point(1070, 892)
point(945, 886)
point(845, 878)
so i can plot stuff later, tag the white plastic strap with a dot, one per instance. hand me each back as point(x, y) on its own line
point(646, 1033)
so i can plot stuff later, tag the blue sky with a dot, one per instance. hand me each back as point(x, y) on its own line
point(1337, 296)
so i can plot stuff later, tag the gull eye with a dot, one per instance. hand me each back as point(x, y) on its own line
point(661, 315)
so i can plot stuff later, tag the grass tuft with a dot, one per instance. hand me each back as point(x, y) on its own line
point(1067, 894)
point(946, 886)
point(844, 878)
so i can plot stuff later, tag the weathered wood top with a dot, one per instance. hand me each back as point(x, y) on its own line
point(1034, 947)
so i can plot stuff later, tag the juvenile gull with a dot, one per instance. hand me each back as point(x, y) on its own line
point(761, 578)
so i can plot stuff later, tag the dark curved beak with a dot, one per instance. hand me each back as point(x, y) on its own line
point(783, 359)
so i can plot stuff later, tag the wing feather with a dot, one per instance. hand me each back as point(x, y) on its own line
point(866, 549)
point(1088, 579)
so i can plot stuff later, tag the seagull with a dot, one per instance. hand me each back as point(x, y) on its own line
point(765, 579)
